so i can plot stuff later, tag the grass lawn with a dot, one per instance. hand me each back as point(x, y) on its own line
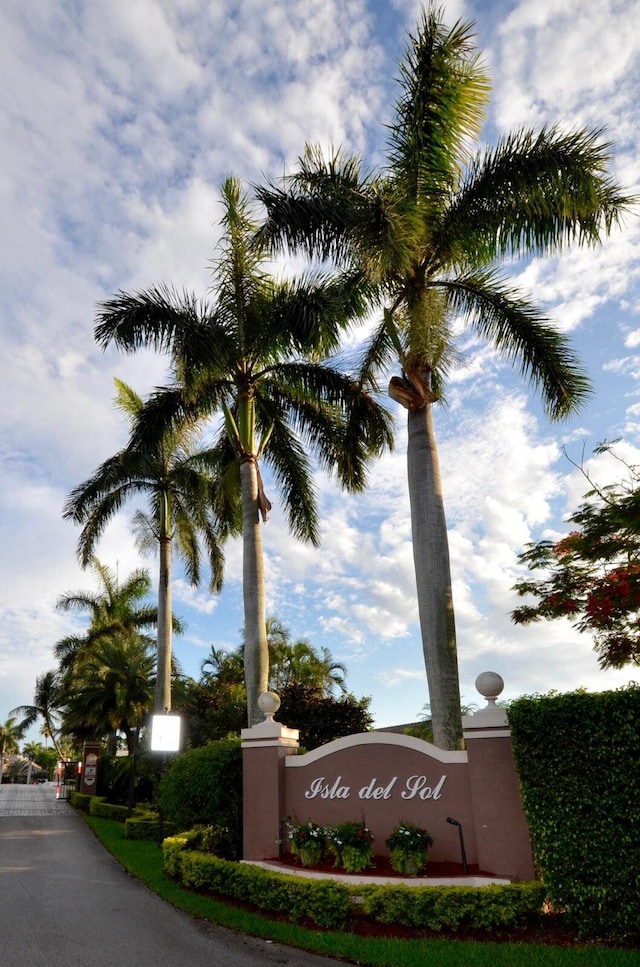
point(144, 861)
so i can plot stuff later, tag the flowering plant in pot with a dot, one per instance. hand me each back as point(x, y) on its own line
point(350, 842)
point(306, 840)
point(409, 847)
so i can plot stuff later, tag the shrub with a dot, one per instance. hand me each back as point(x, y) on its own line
point(454, 907)
point(203, 787)
point(325, 902)
point(577, 758)
point(80, 800)
point(107, 810)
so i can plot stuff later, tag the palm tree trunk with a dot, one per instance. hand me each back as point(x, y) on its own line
point(256, 652)
point(163, 669)
point(433, 579)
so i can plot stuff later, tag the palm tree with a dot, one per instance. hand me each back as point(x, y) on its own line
point(427, 233)
point(10, 734)
point(254, 359)
point(299, 662)
point(176, 480)
point(112, 689)
point(117, 608)
point(47, 699)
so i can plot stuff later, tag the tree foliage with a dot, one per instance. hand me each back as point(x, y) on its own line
point(592, 575)
point(427, 233)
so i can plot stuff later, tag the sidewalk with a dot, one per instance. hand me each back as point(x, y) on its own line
point(66, 902)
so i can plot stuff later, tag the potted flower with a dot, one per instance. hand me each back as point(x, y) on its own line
point(306, 840)
point(409, 847)
point(351, 844)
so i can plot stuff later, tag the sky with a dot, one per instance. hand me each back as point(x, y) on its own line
point(118, 123)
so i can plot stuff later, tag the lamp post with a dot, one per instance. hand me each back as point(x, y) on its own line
point(455, 822)
point(165, 738)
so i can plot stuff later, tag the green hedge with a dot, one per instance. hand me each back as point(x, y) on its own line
point(325, 902)
point(146, 826)
point(454, 907)
point(107, 810)
point(578, 760)
point(330, 904)
point(202, 787)
point(80, 800)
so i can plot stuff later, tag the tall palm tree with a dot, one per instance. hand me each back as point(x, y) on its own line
point(254, 359)
point(427, 232)
point(47, 698)
point(175, 478)
point(10, 734)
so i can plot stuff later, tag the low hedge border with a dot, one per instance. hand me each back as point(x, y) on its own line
point(146, 826)
point(80, 800)
point(454, 907)
point(330, 904)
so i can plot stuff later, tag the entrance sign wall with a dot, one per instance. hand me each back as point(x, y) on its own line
point(383, 778)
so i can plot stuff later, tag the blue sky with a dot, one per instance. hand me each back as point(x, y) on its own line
point(118, 123)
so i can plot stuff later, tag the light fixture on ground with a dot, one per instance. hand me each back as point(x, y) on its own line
point(455, 822)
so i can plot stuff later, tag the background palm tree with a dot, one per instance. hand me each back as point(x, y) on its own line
point(426, 233)
point(299, 662)
point(11, 733)
point(252, 358)
point(176, 480)
point(112, 688)
point(47, 699)
point(116, 608)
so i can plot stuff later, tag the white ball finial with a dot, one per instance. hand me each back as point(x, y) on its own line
point(268, 703)
point(490, 685)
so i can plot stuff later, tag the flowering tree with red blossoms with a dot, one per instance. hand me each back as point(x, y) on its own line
point(592, 576)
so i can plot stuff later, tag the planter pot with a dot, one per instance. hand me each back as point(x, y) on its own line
point(311, 854)
point(355, 859)
point(409, 864)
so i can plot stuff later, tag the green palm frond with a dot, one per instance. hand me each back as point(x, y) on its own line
point(441, 108)
point(523, 336)
point(533, 193)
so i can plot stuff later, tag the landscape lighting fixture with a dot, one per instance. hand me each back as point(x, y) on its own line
point(455, 822)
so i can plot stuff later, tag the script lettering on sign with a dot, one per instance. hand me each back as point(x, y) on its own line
point(414, 787)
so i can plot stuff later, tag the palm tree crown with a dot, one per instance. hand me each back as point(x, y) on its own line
point(427, 233)
point(253, 358)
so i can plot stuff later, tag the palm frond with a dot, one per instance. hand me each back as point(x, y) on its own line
point(524, 337)
point(534, 192)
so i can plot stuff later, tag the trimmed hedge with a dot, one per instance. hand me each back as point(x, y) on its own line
point(579, 766)
point(80, 800)
point(454, 907)
point(330, 903)
point(107, 810)
point(202, 787)
point(145, 826)
point(327, 903)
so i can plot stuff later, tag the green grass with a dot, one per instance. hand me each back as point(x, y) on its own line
point(144, 861)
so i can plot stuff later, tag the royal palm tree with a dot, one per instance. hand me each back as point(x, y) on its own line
point(47, 698)
point(174, 477)
point(427, 233)
point(254, 359)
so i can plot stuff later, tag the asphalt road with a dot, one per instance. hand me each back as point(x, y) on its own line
point(66, 902)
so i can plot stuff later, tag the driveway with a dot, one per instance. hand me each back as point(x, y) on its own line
point(66, 902)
